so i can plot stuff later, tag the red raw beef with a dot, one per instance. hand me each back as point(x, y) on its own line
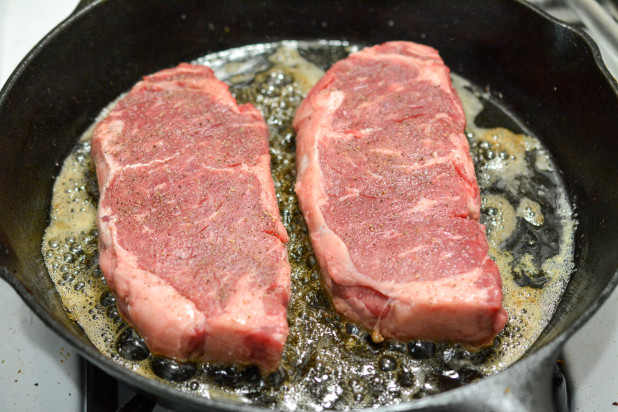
point(190, 239)
point(387, 187)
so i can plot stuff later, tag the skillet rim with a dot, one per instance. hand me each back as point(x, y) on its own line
point(153, 387)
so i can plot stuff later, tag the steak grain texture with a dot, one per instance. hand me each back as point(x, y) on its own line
point(190, 239)
point(387, 187)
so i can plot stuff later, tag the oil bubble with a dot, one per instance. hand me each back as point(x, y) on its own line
point(76, 248)
point(387, 363)
point(107, 298)
point(54, 243)
point(68, 277)
point(131, 346)
point(171, 370)
point(405, 378)
point(421, 350)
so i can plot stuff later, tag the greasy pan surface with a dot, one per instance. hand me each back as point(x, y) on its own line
point(548, 77)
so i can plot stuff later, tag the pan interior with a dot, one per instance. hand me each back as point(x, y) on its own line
point(330, 362)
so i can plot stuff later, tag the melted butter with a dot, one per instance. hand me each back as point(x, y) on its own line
point(531, 212)
point(73, 225)
point(289, 60)
point(504, 168)
point(328, 362)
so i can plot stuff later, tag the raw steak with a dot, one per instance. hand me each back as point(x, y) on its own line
point(190, 239)
point(387, 187)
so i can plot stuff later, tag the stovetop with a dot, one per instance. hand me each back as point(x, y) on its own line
point(40, 371)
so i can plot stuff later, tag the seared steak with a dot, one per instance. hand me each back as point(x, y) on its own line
point(189, 233)
point(387, 187)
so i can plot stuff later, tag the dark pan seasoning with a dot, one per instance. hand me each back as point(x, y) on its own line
point(329, 362)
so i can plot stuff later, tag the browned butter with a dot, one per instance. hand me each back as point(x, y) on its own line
point(329, 362)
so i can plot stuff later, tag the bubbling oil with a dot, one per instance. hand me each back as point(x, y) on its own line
point(329, 362)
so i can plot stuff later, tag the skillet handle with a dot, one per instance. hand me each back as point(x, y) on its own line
point(525, 387)
point(542, 387)
point(532, 385)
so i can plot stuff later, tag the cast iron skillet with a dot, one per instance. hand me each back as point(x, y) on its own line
point(547, 74)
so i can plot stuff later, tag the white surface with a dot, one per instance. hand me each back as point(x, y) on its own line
point(22, 24)
point(39, 371)
point(591, 356)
